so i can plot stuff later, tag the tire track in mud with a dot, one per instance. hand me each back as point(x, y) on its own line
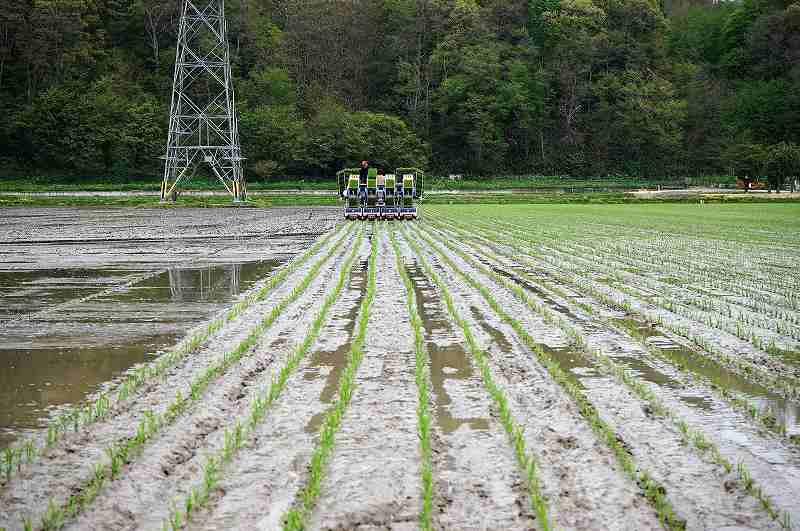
point(69, 465)
point(136, 499)
point(373, 474)
point(702, 334)
point(663, 450)
point(139, 381)
point(476, 479)
point(264, 479)
point(758, 375)
point(717, 383)
point(579, 475)
point(306, 499)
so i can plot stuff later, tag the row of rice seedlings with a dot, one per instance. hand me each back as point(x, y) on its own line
point(750, 298)
point(706, 256)
point(715, 384)
point(618, 283)
point(777, 321)
point(691, 436)
point(123, 452)
point(621, 279)
point(651, 489)
point(236, 437)
point(674, 260)
point(717, 271)
point(784, 385)
point(295, 518)
point(526, 460)
point(744, 368)
point(421, 375)
point(29, 450)
point(746, 266)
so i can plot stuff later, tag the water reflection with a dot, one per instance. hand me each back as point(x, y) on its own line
point(59, 357)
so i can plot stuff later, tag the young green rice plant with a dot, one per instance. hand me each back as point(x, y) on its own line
point(526, 460)
point(421, 377)
point(77, 417)
point(749, 370)
point(656, 496)
point(693, 437)
point(632, 284)
point(119, 453)
point(716, 385)
point(296, 517)
point(235, 438)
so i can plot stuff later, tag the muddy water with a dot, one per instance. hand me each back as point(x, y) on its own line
point(57, 359)
point(333, 362)
point(449, 363)
point(577, 365)
point(497, 335)
point(785, 412)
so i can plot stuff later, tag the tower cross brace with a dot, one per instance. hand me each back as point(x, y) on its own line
point(203, 126)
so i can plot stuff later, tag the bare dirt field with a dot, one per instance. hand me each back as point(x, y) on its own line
point(547, 367)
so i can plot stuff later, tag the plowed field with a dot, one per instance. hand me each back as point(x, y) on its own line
point(541, 367)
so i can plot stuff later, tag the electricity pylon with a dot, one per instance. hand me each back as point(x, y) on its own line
point(203, 127)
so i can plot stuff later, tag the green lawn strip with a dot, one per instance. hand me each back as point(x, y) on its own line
point(691, 436)
point(122, 453)
point(295, 518)
point(26, 452)
point(525, 459)
point(783, 385)
point(421, 374)
point(652, 490)
point(714, 383)
point(236, 437)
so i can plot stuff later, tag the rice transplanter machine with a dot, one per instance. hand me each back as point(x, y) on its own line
point(391, 196)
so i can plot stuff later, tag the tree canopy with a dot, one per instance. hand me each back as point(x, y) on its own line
point(578, 87)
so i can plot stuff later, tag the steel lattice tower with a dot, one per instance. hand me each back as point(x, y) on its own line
point(203, 127)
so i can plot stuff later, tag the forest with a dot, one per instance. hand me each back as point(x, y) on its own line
point(484, 88)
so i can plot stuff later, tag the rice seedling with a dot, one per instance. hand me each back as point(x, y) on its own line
point(694, 437)
point(612, 263)
point(243, 427)
point(421, 376)
point(576, 278)
point(118, 454)
point(656, 496)
point(97, 409)
point(296, 517)
point(712, 381)
point(526, 460)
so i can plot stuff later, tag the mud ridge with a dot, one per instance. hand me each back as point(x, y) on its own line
point(737, 505)
point(69, 462)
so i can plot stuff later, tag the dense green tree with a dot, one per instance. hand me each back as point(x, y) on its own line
point(582, 87)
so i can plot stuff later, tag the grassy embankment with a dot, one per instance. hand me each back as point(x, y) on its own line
point(468, 183)
point(489, 190)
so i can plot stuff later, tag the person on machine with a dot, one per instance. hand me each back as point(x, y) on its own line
point(363, 174)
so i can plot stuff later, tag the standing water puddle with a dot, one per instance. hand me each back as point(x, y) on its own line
point(498, 337)
point(60, 357)
point(785, 412)
point(448, 362)
point(337, 359)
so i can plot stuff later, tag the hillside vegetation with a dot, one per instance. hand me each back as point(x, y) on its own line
point(570, 87)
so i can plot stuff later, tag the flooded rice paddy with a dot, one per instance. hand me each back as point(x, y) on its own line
point(526, 367)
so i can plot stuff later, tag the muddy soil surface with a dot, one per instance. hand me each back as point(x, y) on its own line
point(113, 288)
point(85, 294)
